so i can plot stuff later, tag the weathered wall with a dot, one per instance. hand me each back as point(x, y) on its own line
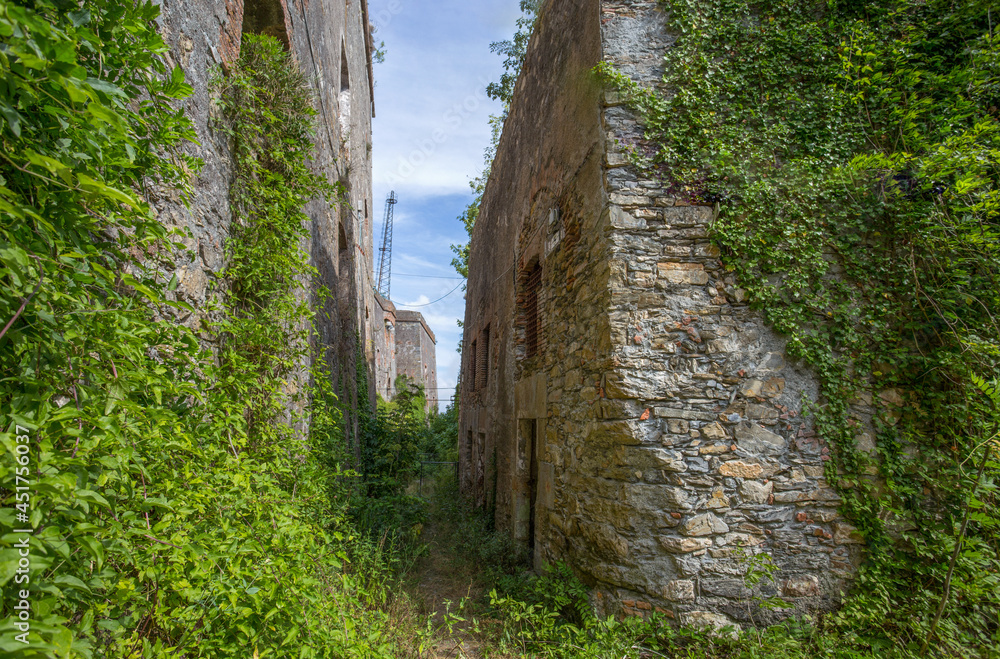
point(385, 347)
point(537, 209)
point(330, 40)
point(415, 352)
point(671, 440)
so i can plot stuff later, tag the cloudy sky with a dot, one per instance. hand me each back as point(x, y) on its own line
point(430, 131)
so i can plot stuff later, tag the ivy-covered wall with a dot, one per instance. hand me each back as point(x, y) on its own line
point(330, 42)
point(177, 329)
point(774, 391)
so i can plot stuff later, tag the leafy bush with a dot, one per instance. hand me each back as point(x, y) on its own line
point(176, 510)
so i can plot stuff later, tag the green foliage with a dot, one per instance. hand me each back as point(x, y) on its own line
point(550, 616)
point(176, 511)
point(853, 152)
point(441, 440)
point(513, 50)
point(390, 442)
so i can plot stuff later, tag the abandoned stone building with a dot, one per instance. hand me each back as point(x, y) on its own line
point(415, 353)
point(405, 346)
point(385, 347)
point(622, 409)
point(331, 41)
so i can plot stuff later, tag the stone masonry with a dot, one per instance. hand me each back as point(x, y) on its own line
point(415, 353)
point(404, 346)
point(331, 41)
point(385, 348)
point(622, 408)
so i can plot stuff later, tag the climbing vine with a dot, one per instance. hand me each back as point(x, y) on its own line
point(176, 508)
point(853, 152)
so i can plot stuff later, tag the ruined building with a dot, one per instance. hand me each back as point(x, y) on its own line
point(622, 409)
point(415, 356)
point(331, 42)
point(404, 346)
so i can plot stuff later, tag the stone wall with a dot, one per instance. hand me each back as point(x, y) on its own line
point(385, 347)
point(656, 440)
point(331, 41)
point(415, 353)
point(536, 211)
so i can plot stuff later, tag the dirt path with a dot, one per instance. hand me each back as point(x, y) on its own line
point(441, 582)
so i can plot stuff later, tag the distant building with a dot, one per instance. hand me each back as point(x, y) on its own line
point(403, 346)
point(384, 340)
point(415, 353)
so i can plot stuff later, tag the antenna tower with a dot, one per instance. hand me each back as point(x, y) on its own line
point(385, 262)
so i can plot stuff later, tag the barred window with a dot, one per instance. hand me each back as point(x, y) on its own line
point(483, 359)
point(473, 358)
point(529, 306)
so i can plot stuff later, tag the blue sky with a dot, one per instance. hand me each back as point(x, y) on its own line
point(429, 133)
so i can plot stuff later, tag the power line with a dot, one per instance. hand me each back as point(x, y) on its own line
point(430, 303)
point(404, 274)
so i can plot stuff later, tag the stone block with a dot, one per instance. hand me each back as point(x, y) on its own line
point(728, 588)
point(678, 426)
point(715, 430)
point(671, 461)
point(683, 273)
point(717, 499)
point(704, 524)
point(754, 439)
point(707, 619)
point(622, 220)
point(756, 492)
point(684, 545)
point(689, 415)
point(802, 586)
point(741, 469)
point(679, 590)
point(773, 387)
point(773, 361)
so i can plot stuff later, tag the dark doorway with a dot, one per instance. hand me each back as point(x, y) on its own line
point(531, 437)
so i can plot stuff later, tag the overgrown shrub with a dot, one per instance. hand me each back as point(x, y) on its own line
point(175, 509)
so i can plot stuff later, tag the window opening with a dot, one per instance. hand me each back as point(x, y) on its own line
point(532, 327)
point(472, 366)
point(483, 359)
point(265, 17)
point(345, 75)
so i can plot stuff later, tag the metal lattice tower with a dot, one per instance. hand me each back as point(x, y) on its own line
point(385, 262)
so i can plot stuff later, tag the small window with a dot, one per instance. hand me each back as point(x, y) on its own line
point(472, 366)
point(266, 17)
point(483, 359)
point(345, 75)
point(529, 306)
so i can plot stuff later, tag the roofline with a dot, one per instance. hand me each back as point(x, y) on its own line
point(368, 42)
point(419, 319)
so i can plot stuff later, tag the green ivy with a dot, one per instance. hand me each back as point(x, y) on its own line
point(177, 509)
point(853, 150)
